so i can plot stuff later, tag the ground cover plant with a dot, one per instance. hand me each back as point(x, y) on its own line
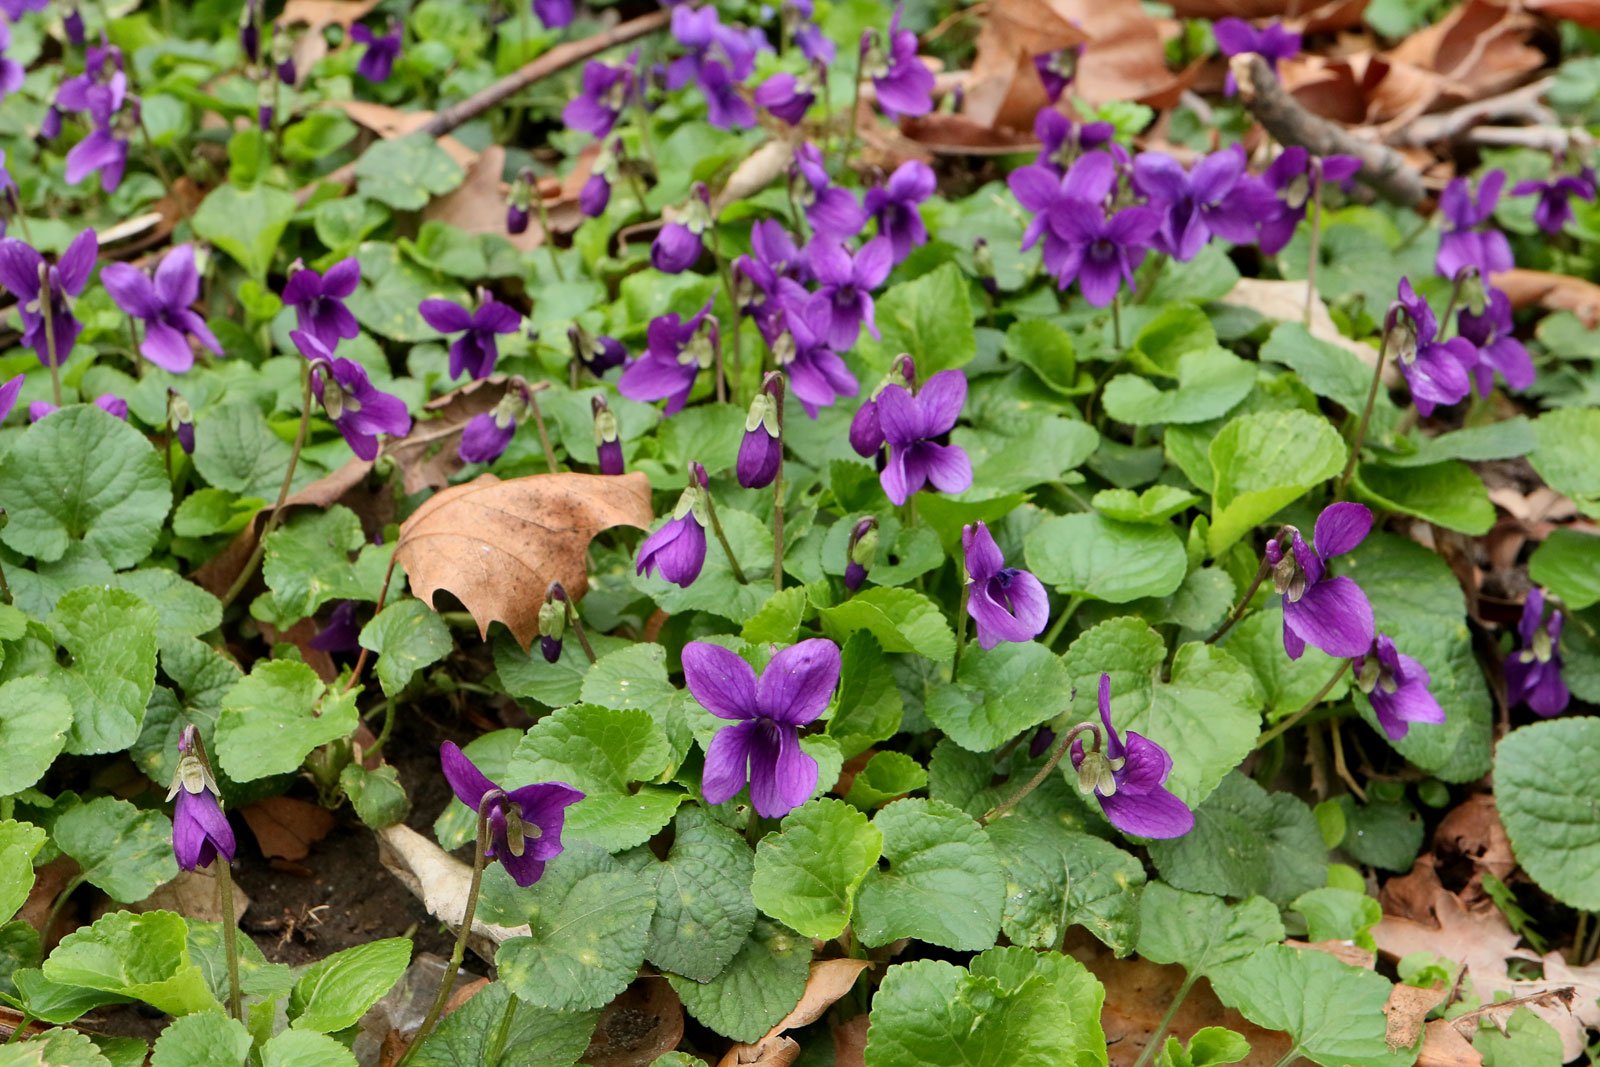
point(1021, 533)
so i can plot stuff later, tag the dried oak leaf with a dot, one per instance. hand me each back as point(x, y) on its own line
point(497, 545)
point(1125, 57)
point(1472, 829)
point(643, 1023)
point(850, 1042)
point(1585, 13)
point(286, 828)
point(478, 204)
point(389, 123)
point(320, 13)
point(430, 455)
point(1004, 88)
point(1479, 49)
point(768, 1052)
point(441, 882)
point(1332, 15)
point(828, 981)
point(1553, 292)
point(1443, 1046)
point(1407, 1010)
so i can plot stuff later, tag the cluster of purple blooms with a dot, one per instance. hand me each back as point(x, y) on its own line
point(100, 94)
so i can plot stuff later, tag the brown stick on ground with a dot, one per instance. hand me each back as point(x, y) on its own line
point(554, 61)
point(1385, 170)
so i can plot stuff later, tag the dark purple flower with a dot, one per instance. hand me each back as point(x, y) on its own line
point(773, 259)
point(12, 73)
point(678, 243)
point(709, 41)
point(8, 395)
point(476, 350)
point(200, 832)
point(552, 622)
point(903, 82)
point(1533, 671)
point(180, 421)
point(1319, 609)
point(607, 437)
point(102, 87)
point(816, 374)
point(815, 45)
point(1211, 200)
point(1102, 252)
point(1554, 209)
point(726, 108)
point(1293, 179)
point(377, 62)
point(894, 205)
point(761, 447)
point(1397, 688)
point(1046, 192)
point(1062, 141)
point(287, 72)
point(1272, 43)
point(359, 409)
point(524, 824)
point(554, 14)
point(163, 305)
point(486, 436)
point(832, 210)
point(1466, 244)
point(105, 150)
point(250, 32)
point(675, 354)
point(1006, 604)
point(1436, 371)
point(866, 429)
point(786, 97)
point(605, 93)
point(596, 354)
point(43, 288)
point(595, 195)
point(678, 549)
point(1128, 776)
point(1498, 350)
point(912, 426)
point(517, 217)
point(1057, 69)
point(862, 553)
point(318, 300)
point(341, 633)
point(764, 747)
point(844, 287)
point(109, 403)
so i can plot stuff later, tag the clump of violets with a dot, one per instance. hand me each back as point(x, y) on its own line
point(607, 437)
point(377, 62)
point(524, 825)
point(1435, 370)
point(913, 426)
point(761, 447)
point(1468, 241)
point(1533, 670)
point(718, 59)
point(1006, 603)
point(763, 747)
point(476, 351)
point(360, 410)
point(100, 92)
point(679, 242)
point(1556, 193)
point(903, 83)
point(833, 211)
point(677, 551)
point(676, 351)
point(44, 291)
point(1215, 199)
point(1127, 776)
point(318, 300)
point(1498, 350)
point(1294, 179)
point(817, 375)
point(200, 831)
point(1081, 241)
point(163, 306)
point(894, 205)
point(605, 93)
point(1397, 688)
point(1272, 43)
point(1319, 609)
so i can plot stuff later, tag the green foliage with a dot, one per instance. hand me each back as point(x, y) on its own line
point(807, 875)
point(1548, 804)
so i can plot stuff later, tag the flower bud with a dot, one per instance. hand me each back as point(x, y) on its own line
point(72, 22)
point(761, 450)
point(283, 56)
point(552, 627)
point(863, 552)
point(180, 419)
point(607, 437)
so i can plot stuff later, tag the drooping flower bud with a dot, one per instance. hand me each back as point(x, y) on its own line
point(200, 831)
point(283, 56)
point(678, 549)
point(607, 437)
point(180, 420)
point(863, 552)
point(552, 622)
point(72, 22)
point(520, 200)
point(983, 263)
point(761, 449)
point(250, 33)
point(596, 354)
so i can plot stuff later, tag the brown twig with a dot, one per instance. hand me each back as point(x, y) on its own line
point(1382, 168)
point(1524, 103)
point(554, 61)
point(1563, 994)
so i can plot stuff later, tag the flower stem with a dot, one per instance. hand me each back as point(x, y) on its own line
point(1062, 620)
point(1044, 772)
point(57, 907)
point(577, 629)
point(777, 502)
point(1310, 705)
point(855, 112)
point(361, 660)
point(961, 623)
point(447, 983)
point(717, 369)
point(1116, 320)
point(736, 352)
point(1366, 417)
point(1160, 1031)
point(5, 595)
point(1315, 251)
point(544, 435)
point(249, 568)
point(722, 539)
point(549, 238)
point(50, 336)
point(1249, 594)
point(230, 933)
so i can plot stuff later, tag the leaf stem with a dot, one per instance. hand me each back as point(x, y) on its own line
point(1249, 594)
point(502, 1033)
point(1314, 253)
point(736, 352)
point(1044, 772)
point(249, 568)
point(1366, 417)
point(777, 497)
point(361, 660)
point(1160, 1031)
point(549, 238)
point(56, 907)
point(1310, 705)
point(722, 539)
point(48, 307)
point(230, 933)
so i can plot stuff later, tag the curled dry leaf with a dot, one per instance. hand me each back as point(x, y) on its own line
point(758, 170)
point(829, 980)
point(286, 828)
point(441, 882)
point(497, 545)
point(193, 894)
point(1553, 292)
point(478, 204)
point(430, 455)
point(318, 14)
point(1004, 88)
point(1473, 830)
point(638, 1026)
point(1407, 1009)
point(1331, 15)
point(768, 1052)
point(1585, 13)
point(850, 1042)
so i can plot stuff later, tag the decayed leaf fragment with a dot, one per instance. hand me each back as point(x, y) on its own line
point(1407, 1009)
point(431, 453)
point(497, 545)
point(829, 980)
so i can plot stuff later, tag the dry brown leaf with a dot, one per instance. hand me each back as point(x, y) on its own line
point(768, 1052)
point(430, 455)
point(389, 123)
point(286, 828)
point(497, 545)
point(1344, 951)
point(757, 171)
point(1331, 15)
point(1004, 88)
point(1553, 292)
point(441, 882)
point(638, 1026)
point(1479, 939)
point(1443, 1046)
point(1580, 1014)
point(829, 980)
point(1473, 830)
point(193, 894)
point(1583, 12)
point(957, 135)
point(478, 204)
point(850, 1043)
point(1408, 1009)
point(321, 13)
point(1477, 50)
point(1124, 58)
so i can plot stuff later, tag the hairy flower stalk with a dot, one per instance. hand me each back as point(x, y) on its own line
point(1390, 325)
point(201, 835)
point(761, 459)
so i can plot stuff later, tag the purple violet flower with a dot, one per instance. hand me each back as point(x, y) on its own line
point(1293, 179)
point(341, 633)
point(606, 90)
point(607, 437)
point(44, 288)
point(866, 429)
point(596, 354)
point(15, 9)
point(894, 205)
point(1466, 243)
point(1436, 371)
point(1006, 604)
point(554, 14)
point(844, 287)
point(1533, 671)
point(761, 447)
point(595, 196)
point(1214, 199)
point(524, 824)
point(1128, 778)
point(708, 41)
point(102, 87)
point(487, 435)
point(676, 352)
point(476, 350)
point(163, 305)
point(903, 82)
point(912, 426)
point(815, 45)
point(180, 421)
point(359, 409)
point(1057, 69)
point(318, 300)
point(1498, 350)
point(1272, 43)
point(8, 395)
point(1327, 612)
point(377, 62)
point(1062, 141)
point(817, 376)
point(200, 831)
point(785, 97)
point(679, 243)
point(1397, 688)
point(12, 73)
point(1103, 252)
point(105, 150)
point(1554, 209)
point(1046, 193)
point(832, 210)
point(678, 549)
point(726, 108)
point(763, 749)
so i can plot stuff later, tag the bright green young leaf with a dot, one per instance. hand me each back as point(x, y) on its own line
point(902, 620)
point(204, 1039)
point(407, 636)
point(1047, 350)
point(54, 1048)
point(1078, 995)
point(206, 512)
point(336, 991)
point(761, 985)
point(1026, 449)
point(1334, 914)
point(1527, 1040)
point(1211, 1046)
point(944, 883)
point(1550, 805)
point(406, 172)
point(1174, 331)
point(887, 776)
point(271, 720)
point(185, 609)
point(19, 843)
point(1496, 440)
point(236, 450)
point(1211, 381)
point(806, 876)
point(141, 956)
point(124, 851)
point(778, 621)
point(1567, 563)
point(1264, 461)
point(595, 749)
point(377, 795)
point(869, 706)
point(526, 675)
point(1329, 371)
point(1446, 494)
point(1093, 556)
point(1246, 841)
point(1000, 693)
point(111, 636)
point(245, 223)
point(35, 716)
point(703, 903)
point(305, 1048)
point(1203, 932)
point(1056, 876)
